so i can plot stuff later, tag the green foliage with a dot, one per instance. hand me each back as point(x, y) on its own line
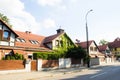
point(14, 57)
point(76, 53)
point(86, 59)
point(64, 43)
point(47, 55)
point(5, 18)
point(103, 42)
point(71, 52)
point(117, 56)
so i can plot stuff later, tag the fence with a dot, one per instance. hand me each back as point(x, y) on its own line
point(11, 64)
point(50, 63)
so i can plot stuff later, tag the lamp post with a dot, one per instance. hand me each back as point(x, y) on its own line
point(88, 61)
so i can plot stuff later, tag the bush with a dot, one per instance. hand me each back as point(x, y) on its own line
point(46, 55)
point(14, 57)
point(76, 53)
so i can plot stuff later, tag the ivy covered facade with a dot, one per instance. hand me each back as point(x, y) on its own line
point(59, 41)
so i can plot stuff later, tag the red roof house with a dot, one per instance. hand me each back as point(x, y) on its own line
point(93, 48)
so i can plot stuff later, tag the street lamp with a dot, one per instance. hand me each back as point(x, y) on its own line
point(88, 61)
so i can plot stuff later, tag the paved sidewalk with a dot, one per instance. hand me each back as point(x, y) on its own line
point(42, 74)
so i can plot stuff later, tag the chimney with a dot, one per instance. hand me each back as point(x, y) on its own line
point(27, 32)
point(60, 31)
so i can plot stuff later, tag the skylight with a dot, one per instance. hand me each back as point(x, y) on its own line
point(20, 40)
point(34, 41)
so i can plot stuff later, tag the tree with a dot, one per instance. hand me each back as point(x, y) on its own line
point(5, 18)
point(76, 53)
point(103, 42)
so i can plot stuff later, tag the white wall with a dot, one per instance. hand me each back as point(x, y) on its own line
point(94, 46)
point(94, 61)
point(12, 38)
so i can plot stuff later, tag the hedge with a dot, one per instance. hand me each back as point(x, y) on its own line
point(46, 55)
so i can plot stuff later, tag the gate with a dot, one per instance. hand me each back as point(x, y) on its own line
point(33, 65)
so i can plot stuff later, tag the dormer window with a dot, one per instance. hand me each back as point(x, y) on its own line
point(6, 35)
point(34, 41)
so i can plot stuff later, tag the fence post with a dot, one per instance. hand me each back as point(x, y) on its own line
point(28, 65)
point(67, 62)
point(82, 63)
point(39, 64)
point(61, 63)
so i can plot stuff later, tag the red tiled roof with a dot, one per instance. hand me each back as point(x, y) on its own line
point(27, 37)
point(115, 43)
point(50, 38)
point(84, 44)
point(102, 47)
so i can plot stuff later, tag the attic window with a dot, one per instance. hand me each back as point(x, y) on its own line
point(34, 41)
point(20, 40)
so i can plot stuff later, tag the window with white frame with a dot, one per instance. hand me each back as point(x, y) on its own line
point(34, 42)
point(20, 40)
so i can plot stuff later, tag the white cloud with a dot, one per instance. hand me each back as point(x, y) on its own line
point(19, 18)
point(73, 1)
point(48, 23)
point(49, 2)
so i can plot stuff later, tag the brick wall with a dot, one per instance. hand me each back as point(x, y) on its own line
point(11, 64)
point(50, 63)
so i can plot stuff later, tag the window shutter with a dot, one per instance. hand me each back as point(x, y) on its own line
point(1, 34)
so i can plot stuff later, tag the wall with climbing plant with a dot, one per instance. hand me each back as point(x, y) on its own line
point(63, 42)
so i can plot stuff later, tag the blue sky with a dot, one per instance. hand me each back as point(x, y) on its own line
point(44, 17)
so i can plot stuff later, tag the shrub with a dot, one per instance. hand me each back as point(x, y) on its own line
point(76, 53)
point(14, 57)
point(46, 55)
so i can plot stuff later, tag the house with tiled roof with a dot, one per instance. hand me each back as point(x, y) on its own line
point(26, 43)
point(115, 46)
point(105, 49)
point(58, 41)
point(93, 48)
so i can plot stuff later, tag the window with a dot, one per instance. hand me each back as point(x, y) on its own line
point(34, 41)
point(20, 40)
point(17, 39)
point(57, 43)
point(68, 43)
point(95, 48)
point(107, 51)
point(61, 43)
point(91, 48)
point(30, 56)
point(6, 35)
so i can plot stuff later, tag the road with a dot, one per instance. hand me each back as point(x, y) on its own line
point(110, 72)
